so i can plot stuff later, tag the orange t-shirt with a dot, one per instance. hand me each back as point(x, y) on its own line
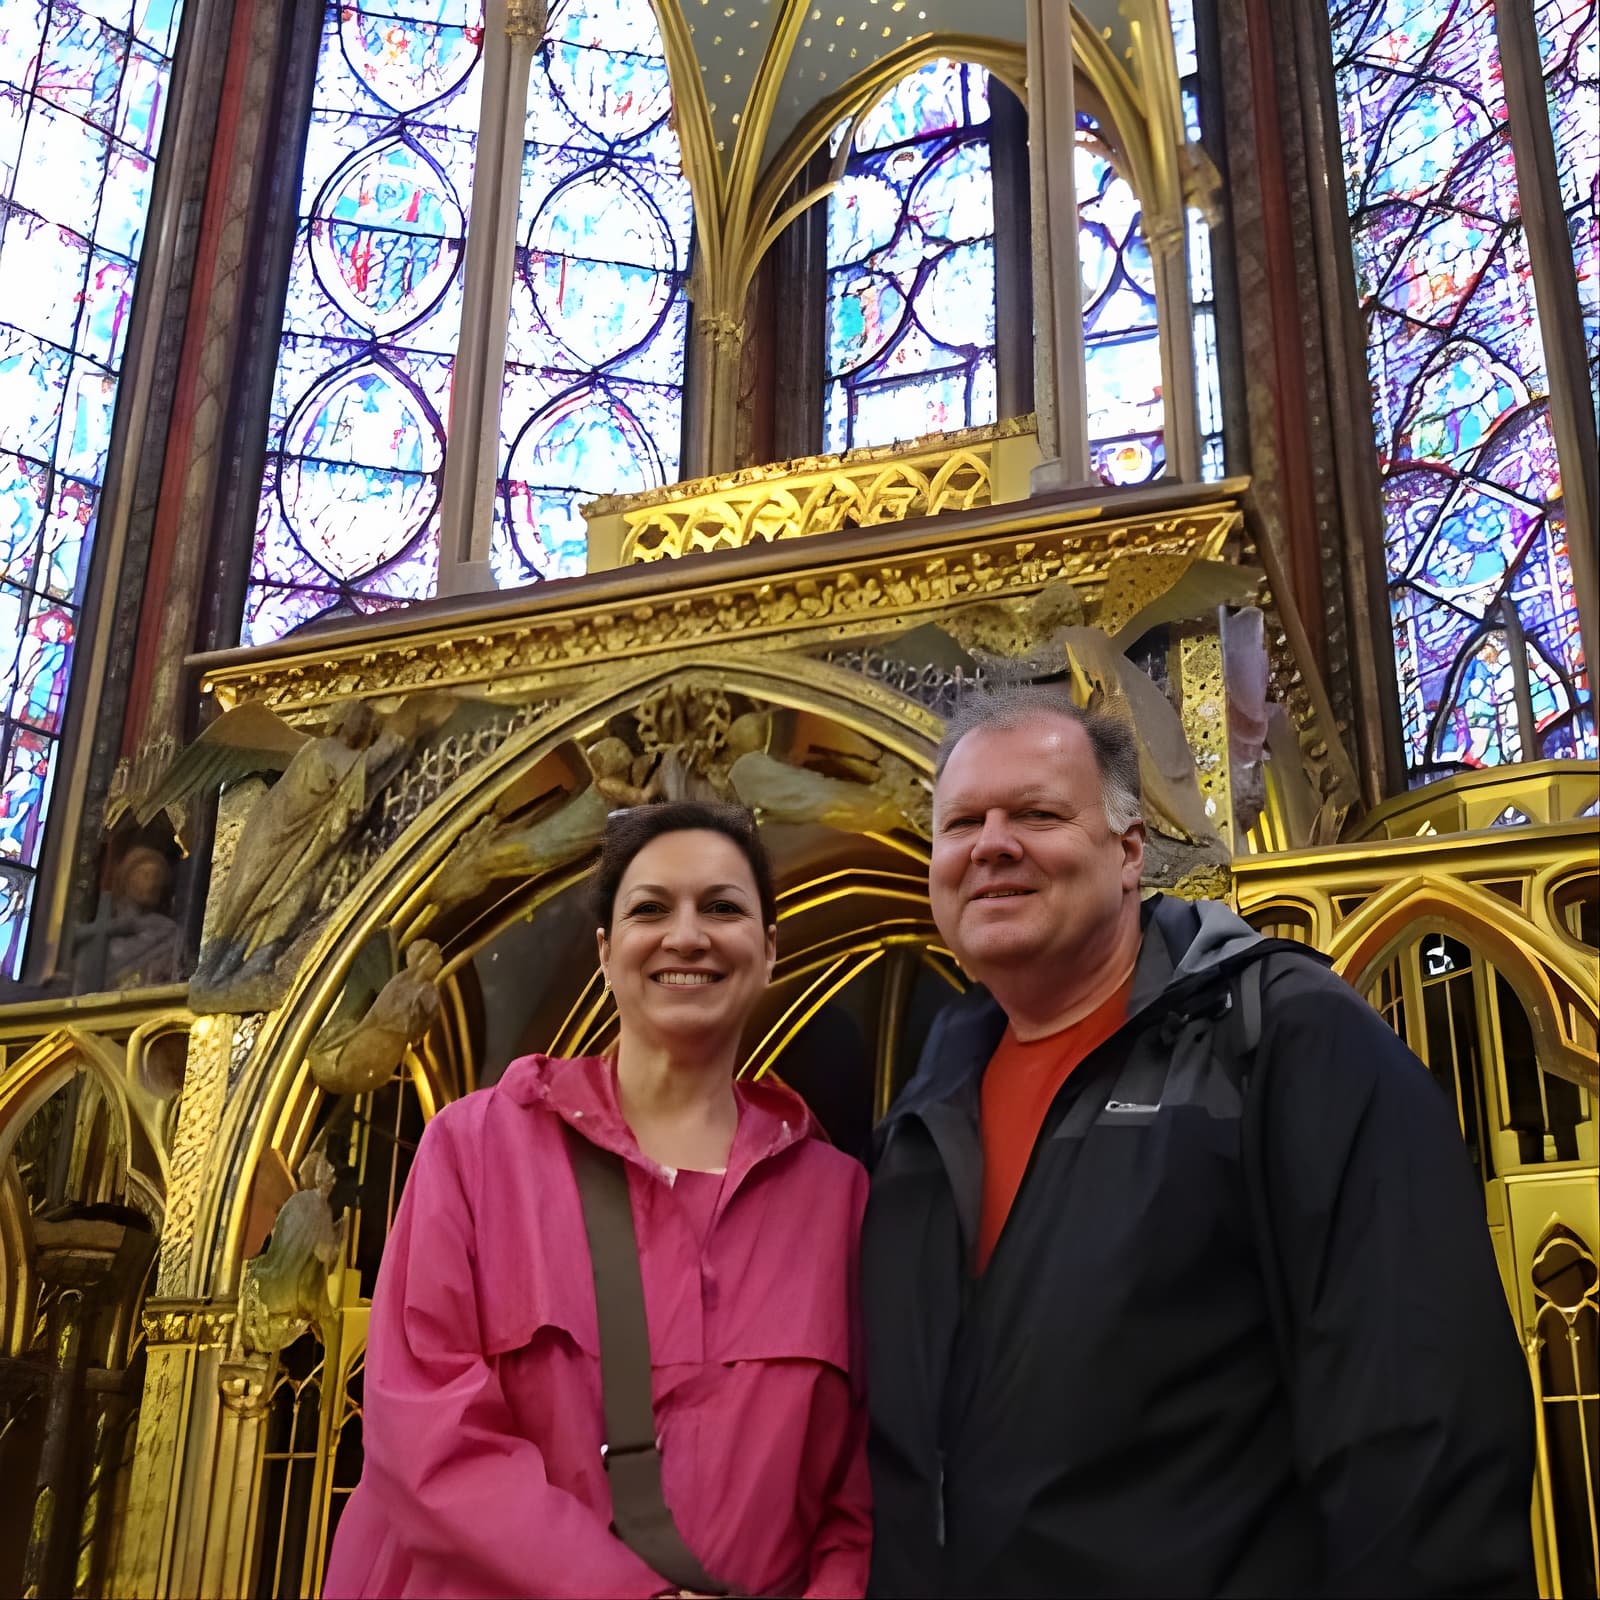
point(1019, 1085)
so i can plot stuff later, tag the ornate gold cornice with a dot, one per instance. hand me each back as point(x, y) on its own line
point(790, 595)
point(776, 471)
point(819, 494)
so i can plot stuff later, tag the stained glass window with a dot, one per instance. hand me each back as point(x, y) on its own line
point(349, 512)
point(1202, 288)
point(911, 275)
point(1569, 44)
point(593, 396)
point(82, 101)
point(1471, 481)
point(1121, 327)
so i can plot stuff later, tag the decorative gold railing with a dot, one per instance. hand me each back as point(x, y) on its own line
point(1532, 791)
point(817, 494)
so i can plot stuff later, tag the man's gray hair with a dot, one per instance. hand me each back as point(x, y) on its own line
point(1005, 707)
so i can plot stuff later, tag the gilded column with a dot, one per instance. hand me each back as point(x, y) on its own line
point(1205, 722)
point(168, 1498)
point(244, 1382)
point(472, 464)
point(1060, 381)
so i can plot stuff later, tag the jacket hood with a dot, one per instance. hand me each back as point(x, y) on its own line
point(582, 1091)
point(1221, 935)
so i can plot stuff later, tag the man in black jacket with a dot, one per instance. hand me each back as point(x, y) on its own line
point(1177, 1280)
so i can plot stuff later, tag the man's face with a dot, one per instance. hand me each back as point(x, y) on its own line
point(1025, 873)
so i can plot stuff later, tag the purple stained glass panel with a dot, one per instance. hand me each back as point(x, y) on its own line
point(592, 402)
point(1475, 534)
point(348, 521)
point(82, 100)
point(1121, 326)
point(911, 272)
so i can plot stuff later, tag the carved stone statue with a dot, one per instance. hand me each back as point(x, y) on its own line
point(490, 851)
point(890, 795)
point(356, 1057)
point(131, 942)
point(622, 778)
point(284, 851)
point(291, 839)
point(285, 1288)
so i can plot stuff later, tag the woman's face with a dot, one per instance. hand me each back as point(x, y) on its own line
point(687, 955)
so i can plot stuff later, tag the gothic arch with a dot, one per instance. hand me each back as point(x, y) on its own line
point(1549, 980)
point(136, 1115)
point(1097, 66)
point(274, 1088)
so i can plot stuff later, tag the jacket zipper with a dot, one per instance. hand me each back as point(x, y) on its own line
point(940, 1522)
point(1081, 1081)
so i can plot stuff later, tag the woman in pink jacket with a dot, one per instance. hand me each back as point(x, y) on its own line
point(482, 1418)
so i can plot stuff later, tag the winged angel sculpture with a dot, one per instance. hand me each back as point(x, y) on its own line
point(1044, 636)
point(327, 780)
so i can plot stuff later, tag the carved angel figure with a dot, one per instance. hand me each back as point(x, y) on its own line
point(623, 778)
point(292, 836)
point(490, 851)
point(892, 795)
point(354, 1055)
point(285, 1288)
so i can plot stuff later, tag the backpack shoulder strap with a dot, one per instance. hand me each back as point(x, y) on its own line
point(639, 1512)
point(1241, 1036)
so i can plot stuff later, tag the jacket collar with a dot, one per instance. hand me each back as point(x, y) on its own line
point(582, 1092)
point(1184, 947)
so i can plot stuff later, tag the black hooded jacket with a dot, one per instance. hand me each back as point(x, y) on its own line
point(1243, 1332)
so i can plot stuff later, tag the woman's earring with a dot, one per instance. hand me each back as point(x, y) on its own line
point(605, 982)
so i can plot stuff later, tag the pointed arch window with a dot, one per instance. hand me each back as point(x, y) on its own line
point(83, 97)
point(911, 265)
point(352, 500)
point(1480, 439)
point(913, 342)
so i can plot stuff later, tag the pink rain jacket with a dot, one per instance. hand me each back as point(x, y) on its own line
point(482, 1420)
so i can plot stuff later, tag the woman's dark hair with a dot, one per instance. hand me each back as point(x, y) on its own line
point(628, 832)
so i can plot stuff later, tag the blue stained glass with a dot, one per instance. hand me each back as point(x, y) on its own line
point(82, 99)
point(348, 520)
point(1472, 484)
point(592, 401)
point(911, 273)
point(1121, 326)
